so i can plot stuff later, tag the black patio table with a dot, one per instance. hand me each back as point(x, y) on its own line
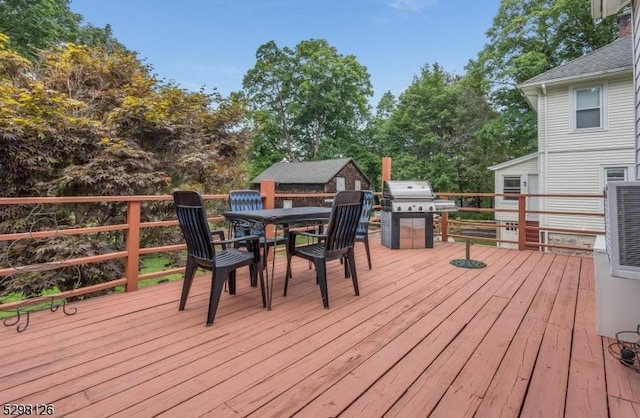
point(284, 217)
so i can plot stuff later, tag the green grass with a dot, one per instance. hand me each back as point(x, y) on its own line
point(14, 297)
point(156, 263)
point(18, 296)
point(150, 264)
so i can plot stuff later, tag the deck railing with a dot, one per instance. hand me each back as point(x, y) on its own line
point(452, 227)
point(446, 228)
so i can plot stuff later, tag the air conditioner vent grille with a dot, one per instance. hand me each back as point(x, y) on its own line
point(622, 227)
point(628, 205)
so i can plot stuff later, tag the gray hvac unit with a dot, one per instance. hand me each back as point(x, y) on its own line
point(622, 228)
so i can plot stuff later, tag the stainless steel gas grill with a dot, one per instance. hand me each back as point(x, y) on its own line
point(407, 214)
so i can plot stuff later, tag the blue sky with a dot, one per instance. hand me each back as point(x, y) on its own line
point(213, 42)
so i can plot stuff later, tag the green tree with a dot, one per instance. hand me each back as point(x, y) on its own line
point(303, 97)
point(379, 125)
point(433, 131)
point(94, 36)
point(94, 121)
point(33, 25)
point(527, 38)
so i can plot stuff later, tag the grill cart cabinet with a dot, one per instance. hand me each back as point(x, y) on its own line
point(407, 214)
point(406, 230)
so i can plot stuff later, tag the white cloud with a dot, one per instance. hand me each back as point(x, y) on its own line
point(415, 6)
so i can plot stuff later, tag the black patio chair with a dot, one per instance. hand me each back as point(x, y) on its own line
point(201, 252)
point(337, 243)
point(362, 233)
point(240, 200)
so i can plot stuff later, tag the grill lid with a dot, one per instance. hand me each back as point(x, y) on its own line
point(408, 190)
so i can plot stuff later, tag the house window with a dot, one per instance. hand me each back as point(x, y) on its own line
point(358, 185)
point(511, 184)
point(588, 108)
point(340, 184)
point(615, 174)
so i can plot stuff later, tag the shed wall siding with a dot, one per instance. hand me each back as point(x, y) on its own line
point(287, 188)
point(349, 172)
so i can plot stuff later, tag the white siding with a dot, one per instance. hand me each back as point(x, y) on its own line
point(507, 234)
point(572, 162)
point(618, 129)
point(522, 169)
point(636, 69)
point(579, 173)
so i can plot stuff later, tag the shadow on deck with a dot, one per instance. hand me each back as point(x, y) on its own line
point(423, 338)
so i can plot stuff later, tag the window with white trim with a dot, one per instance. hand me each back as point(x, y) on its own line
point(340, 184)
point(357, 185)
point(588, 107)
point(511, 184)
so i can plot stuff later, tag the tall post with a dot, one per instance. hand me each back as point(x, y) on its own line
point(268, 192)
point(522, 222)
point(386, 169)
point(133, 246)
point(444, 223)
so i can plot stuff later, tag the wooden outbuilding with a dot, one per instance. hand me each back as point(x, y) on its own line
point(326, 176)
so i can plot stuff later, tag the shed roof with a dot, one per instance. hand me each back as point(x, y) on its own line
point(617, 56)
point(307, 172)
point(514, 161)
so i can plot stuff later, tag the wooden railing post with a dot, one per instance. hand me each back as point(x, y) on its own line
point(133, 245)
point(386, 169)
point(522, 222)
point(444, 223)
point(268, 191)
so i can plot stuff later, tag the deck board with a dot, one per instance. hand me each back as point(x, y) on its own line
point(423, 396)
point(516, 338)
point(412, 324)
point(508, 388)
point(442, 326)
point(360, 380)
point(466, 393)
point(548, 385)
point(586, 392)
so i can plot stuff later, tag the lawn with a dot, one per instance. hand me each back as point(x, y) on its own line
point(150, 264)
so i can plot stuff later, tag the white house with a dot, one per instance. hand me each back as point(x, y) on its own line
point(604, 8)
point(617, 307)
point(586, 137)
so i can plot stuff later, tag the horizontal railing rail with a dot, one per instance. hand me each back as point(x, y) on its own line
point(447, 226)
point(524, 228)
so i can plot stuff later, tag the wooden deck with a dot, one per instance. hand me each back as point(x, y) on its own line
point(424, 338)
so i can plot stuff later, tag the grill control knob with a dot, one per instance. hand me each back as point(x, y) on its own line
point(410, 208)
point(399, 208)
point(419, 208)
